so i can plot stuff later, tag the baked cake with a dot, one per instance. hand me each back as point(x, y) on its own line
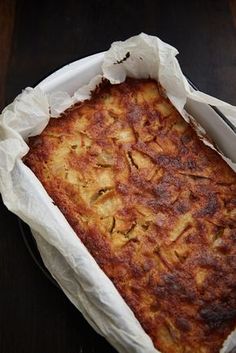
point(153, 205)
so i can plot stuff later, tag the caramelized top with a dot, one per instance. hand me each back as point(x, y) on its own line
point(153, 205)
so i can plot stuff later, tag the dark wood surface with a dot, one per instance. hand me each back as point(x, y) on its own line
point(36, 38)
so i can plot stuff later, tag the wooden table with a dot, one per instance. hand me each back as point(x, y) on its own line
point(36, 38)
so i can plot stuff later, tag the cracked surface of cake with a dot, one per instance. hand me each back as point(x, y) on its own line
point(153, 205)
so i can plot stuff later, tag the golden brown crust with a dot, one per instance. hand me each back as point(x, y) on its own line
point(153, 205)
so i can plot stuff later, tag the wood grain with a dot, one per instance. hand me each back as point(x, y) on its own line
point(7, 18)
point(232, 5)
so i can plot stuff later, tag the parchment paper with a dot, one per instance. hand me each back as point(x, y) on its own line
point(67, 259)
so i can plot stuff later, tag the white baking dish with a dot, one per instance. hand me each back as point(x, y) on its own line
point(80, 72)
point(102, 305)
